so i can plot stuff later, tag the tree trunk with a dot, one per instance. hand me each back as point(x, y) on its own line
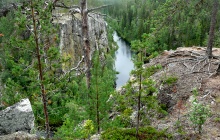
point(218, 69)
point(85, 39)
point(212, 28)
point(139, 98)
point(43, 92)
point(97, 98)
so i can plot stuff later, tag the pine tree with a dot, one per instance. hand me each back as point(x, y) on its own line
point(146, 86)
point(42, 85)
point(102, 85)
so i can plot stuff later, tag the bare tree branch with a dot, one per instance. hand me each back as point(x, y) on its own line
point(97, 8)
point(77, 65)
point(72, 69)
point(62, 5)
point(104, 15)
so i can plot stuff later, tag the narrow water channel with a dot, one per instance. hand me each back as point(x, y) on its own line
point(123, 62)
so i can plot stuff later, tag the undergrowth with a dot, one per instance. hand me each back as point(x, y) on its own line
point(146, 133)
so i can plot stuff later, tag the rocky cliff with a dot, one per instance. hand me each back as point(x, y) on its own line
point(70, 35)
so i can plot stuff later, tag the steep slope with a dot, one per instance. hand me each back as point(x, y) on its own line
point(193, 71)
point(182, 72)
point(70, 35)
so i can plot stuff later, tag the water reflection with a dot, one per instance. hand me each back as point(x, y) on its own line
point(123, 63)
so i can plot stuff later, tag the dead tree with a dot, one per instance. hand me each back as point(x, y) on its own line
point(86, 48)
point(85, 37)
point(86, 42)
point(212, 28)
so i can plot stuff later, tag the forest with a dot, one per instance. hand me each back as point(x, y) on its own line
point(53, 53)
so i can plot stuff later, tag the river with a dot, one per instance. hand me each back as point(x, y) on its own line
point(123, 62)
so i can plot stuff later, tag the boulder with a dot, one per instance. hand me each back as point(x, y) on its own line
point(96, 137)
point(18, 117)
point(20, 136)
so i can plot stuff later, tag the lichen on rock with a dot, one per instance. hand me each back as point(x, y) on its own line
point(18, 117)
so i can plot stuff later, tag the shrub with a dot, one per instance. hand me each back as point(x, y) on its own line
point(70, 130)
point(217, 119)
point(147, 133)
point(170, 80)
point(199, 113)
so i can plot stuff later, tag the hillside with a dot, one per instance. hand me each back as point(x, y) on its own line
point(192, 70)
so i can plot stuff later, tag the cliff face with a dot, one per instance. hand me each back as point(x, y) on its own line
point(70, 36)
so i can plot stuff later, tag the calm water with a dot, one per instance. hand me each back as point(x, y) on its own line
point(123, 63)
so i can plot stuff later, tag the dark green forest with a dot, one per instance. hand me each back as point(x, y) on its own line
point(77, 106)
point(167, 24)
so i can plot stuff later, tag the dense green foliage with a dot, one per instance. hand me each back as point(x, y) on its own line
point(68, 103)
point(168, 23)
point(102, 85)
point(147, 133)
point(100, 91)
point(20, 77)
point(71, 130)
point(20, 68)
point(126, 103)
